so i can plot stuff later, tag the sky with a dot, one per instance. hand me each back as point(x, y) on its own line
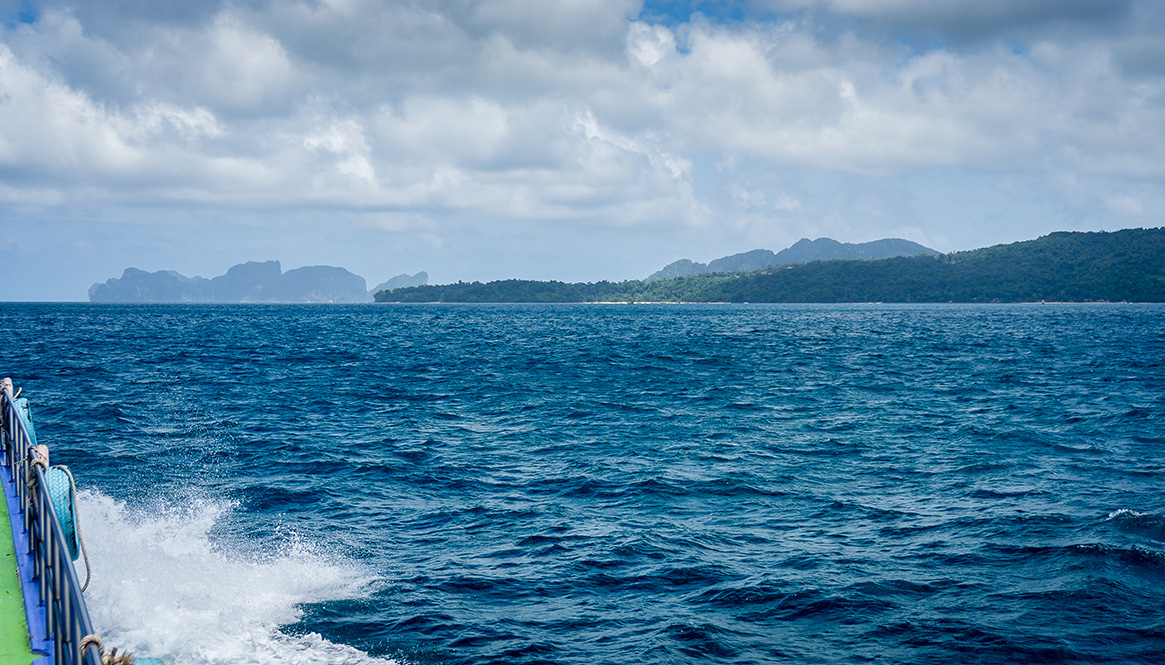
point(576, 140)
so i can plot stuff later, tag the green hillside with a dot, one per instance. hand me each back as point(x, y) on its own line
point(1075, 267)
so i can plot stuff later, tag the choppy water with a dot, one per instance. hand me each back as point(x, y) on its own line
point(612, 484)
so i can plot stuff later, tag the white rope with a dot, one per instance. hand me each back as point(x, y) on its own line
point(35, 462)
point(110, 658)
point(92, 640)
point(77, 524)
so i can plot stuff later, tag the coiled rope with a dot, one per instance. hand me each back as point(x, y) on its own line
point(92, 641)
point(41, 459)
point(77, 525)
point(111, 658)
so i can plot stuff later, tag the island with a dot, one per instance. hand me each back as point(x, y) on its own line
point(1126, 265)
point(251, 282)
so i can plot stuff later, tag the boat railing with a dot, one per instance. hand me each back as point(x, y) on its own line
point(67, 627)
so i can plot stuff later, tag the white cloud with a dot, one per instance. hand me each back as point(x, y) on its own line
point(786, 203)
point(566, 24)
point(1125, 205)
point(737, 92)
point(344, 141)
point(46, 127)
point(649, 44)
point(154, 118)
point(772, 91)
point(240, 67)
point(578, 113)
point(967, 20)
point(747, 198)
point(454, 130)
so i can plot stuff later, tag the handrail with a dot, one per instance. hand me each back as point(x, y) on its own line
point(67, 623)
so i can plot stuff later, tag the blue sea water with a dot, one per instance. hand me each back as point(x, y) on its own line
point(612, 484)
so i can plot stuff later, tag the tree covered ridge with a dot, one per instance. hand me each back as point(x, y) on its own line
point(1063, 266)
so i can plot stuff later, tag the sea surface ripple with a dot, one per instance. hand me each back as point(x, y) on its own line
point(612, 484)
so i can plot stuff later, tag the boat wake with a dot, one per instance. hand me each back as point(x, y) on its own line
point(163, 587)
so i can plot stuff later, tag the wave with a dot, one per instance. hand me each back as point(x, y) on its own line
point(164, 586)
point(1149, 524)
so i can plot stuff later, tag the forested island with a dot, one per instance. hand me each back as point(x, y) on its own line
point(1126, 265)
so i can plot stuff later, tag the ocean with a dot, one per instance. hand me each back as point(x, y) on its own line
point(590, 484)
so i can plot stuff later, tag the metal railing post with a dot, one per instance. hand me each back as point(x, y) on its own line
point(66, 617)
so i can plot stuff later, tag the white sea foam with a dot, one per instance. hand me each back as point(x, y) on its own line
point(161, 587)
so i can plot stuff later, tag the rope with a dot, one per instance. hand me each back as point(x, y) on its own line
point(77, 526)
point(92, 640)
point(36, 461)
point(112, 658)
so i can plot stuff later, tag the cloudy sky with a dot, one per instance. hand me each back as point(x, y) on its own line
point(576, 140)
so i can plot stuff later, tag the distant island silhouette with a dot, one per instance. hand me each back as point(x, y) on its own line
point(803, 251)
point(251, 282)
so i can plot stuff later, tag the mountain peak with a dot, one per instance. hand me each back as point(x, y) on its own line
point(802, 251)
point(254, 281)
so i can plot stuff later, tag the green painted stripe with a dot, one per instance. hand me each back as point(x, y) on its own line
point(14, 647)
